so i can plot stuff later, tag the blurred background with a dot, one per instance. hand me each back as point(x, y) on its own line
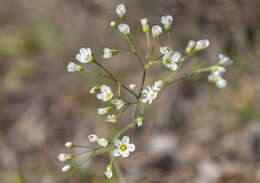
point(194, 133)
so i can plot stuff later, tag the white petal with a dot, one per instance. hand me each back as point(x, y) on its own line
point(117, 143)
point(125, 153)
point(116, 152)
point(125, 140)
point(131, 147)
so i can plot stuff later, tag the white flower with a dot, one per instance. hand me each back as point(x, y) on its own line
point(94, 89)
point(121, 10)
point(144, 21)
point(170, 59)
point(108, 173)
point(157, 86)
point(113, 24)
point(111, 118)
point(102, 111)
point(123, 147)
point(224, 60)
point(84, 55)
point(133, 87)
point(69, 144)
point(149, 95)
point(216, 77)
point(93, 138)
point(107, 53)
point(167, 21)
point(72, 67)
point(67, 168)
point(124, 29)
point(191, 43)
point(156, 30)
point(106, 93)
point(118, 103)
point(221, 83)
point(202, 44)
point(145, 25)
point(102, 142)
point(139, 121)
point(64, 157)
point(164, 50)
point(219, 71)
point(190, 46)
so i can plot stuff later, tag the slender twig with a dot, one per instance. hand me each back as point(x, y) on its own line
point(114, 79)
point(133, 50)
point(119, 173)
point(187, 75)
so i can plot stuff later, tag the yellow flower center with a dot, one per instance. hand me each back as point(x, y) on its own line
point(167, 61)
point(123, 147)
point(108, 96)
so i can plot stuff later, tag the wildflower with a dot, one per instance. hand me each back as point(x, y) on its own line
point(202, 44)
point(67, 168)
point(106, 93)
point(133, 87)
point(167, 21)
point(123, 147)
point(164, 50)
point(113, 24)
point(109, 52)
point(190, 46)
point(139, 121)
point(149, 95)
point(120, 11)
point(108, 173)
point(111, 118)
point(64, 157)
point(72, 67)
point(118, 103)
point(102, 111)
point(145, 26)
point(224, 60)
point(94, 89)
point(69, 144)
point(85, 55)
point(216, 77)
point(156, 31)
point(221, 83)
point(102, 142)
point(124, 29)
point(93, 138)
point(170, 59)
point(157, 86)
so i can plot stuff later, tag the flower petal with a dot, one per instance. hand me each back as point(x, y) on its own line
point(125, 140)
point(131, 147)
point(116, 152)
point(117, 143)
point(125, 153)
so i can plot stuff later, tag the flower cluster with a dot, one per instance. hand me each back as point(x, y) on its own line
point(216, 76)
point(113, 104)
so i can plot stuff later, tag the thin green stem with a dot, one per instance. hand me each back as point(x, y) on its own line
point(142, 84)
point(172, 80)
point(119, 173)
point(131, 44)
point(96, 73)
point(169, 39)
point(148, 39)
point(113, 78)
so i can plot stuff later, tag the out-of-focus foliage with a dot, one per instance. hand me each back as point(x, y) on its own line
point(206, 134)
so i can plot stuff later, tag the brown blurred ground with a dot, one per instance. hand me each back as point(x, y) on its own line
point(205, 135)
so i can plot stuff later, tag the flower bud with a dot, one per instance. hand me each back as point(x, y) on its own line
point(69, 144)
point(67, 168)
point(113, 24)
